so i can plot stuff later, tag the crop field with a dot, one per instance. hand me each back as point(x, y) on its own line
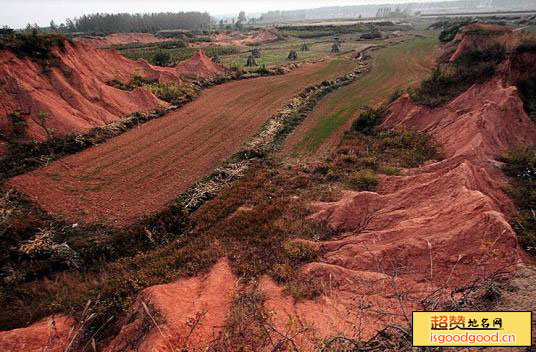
point(277, 53)
point(177, 54)
point(137, 173)
point(395, 67)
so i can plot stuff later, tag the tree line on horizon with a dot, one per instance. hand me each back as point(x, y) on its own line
point(125, 22)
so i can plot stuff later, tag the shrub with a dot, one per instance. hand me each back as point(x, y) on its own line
point(527, 88)
point(301, 251)
point(367, 121)
point(474, 66)
point(173, 93)
point(448, 34)
point(372, 35)
point(33, 44)
point(364, 180)
point(161, 58)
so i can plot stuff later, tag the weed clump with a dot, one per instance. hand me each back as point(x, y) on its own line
point(520, 165)
point(447, 82)
point(367, 121)
point(173, 93)
point(161, 58)
point(364, 180)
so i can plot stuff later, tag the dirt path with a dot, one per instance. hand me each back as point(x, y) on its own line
point(137, 173)
point(394, 67)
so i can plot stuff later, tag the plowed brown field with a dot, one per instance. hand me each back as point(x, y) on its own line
point(137, 173)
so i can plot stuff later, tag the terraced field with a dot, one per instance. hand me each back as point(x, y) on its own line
point(137, 173)
point(394, 67)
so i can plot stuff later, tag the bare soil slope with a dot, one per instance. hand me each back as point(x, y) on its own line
point(201, 65)
point(68, 93)
point(140, 171)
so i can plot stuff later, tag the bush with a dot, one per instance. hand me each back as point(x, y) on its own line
point(173, 93)
point(527, 88)
point(33, 44)
point(161, 58)
point(364, 180)
point(367, 121)
point(474, 66)
point(448, 34)
point(372, 35)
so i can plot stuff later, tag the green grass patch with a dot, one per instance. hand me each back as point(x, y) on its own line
point(393, 67)
point(178, 54)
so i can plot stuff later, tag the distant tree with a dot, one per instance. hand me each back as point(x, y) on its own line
point(242, 17)
point(162, 58)
point(221, 24)
point(6, 31)
point(53, 26)
point(239, 26)
point(146, 22)
point(292, 55)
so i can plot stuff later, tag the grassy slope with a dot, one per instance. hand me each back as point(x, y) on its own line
point(396, 67)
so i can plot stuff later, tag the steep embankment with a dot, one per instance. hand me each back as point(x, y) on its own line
point(69, 93)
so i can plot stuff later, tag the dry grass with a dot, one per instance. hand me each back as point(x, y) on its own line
point(253, 223)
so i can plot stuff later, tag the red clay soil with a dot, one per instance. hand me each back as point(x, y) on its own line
point(179, 304)
point(121, 38)
point(436, 228)
point(480, 36)
point(50, 335)
point(201, 65)
point(137, 173)
point(69, 94)
point(265, 35)
point(70, 90)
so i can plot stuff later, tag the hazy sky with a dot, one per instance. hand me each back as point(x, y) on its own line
point(17, 13)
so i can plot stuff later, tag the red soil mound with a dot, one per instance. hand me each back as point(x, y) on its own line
point(203, 299)
point(50, 334)
point(480, 36)
point(69, 93)
point(201, 65)
point(121, 38)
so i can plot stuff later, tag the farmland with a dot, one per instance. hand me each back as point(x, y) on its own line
point(137, 173)
point(396, 67)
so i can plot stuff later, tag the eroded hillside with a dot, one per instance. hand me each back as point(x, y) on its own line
point(408, 209)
